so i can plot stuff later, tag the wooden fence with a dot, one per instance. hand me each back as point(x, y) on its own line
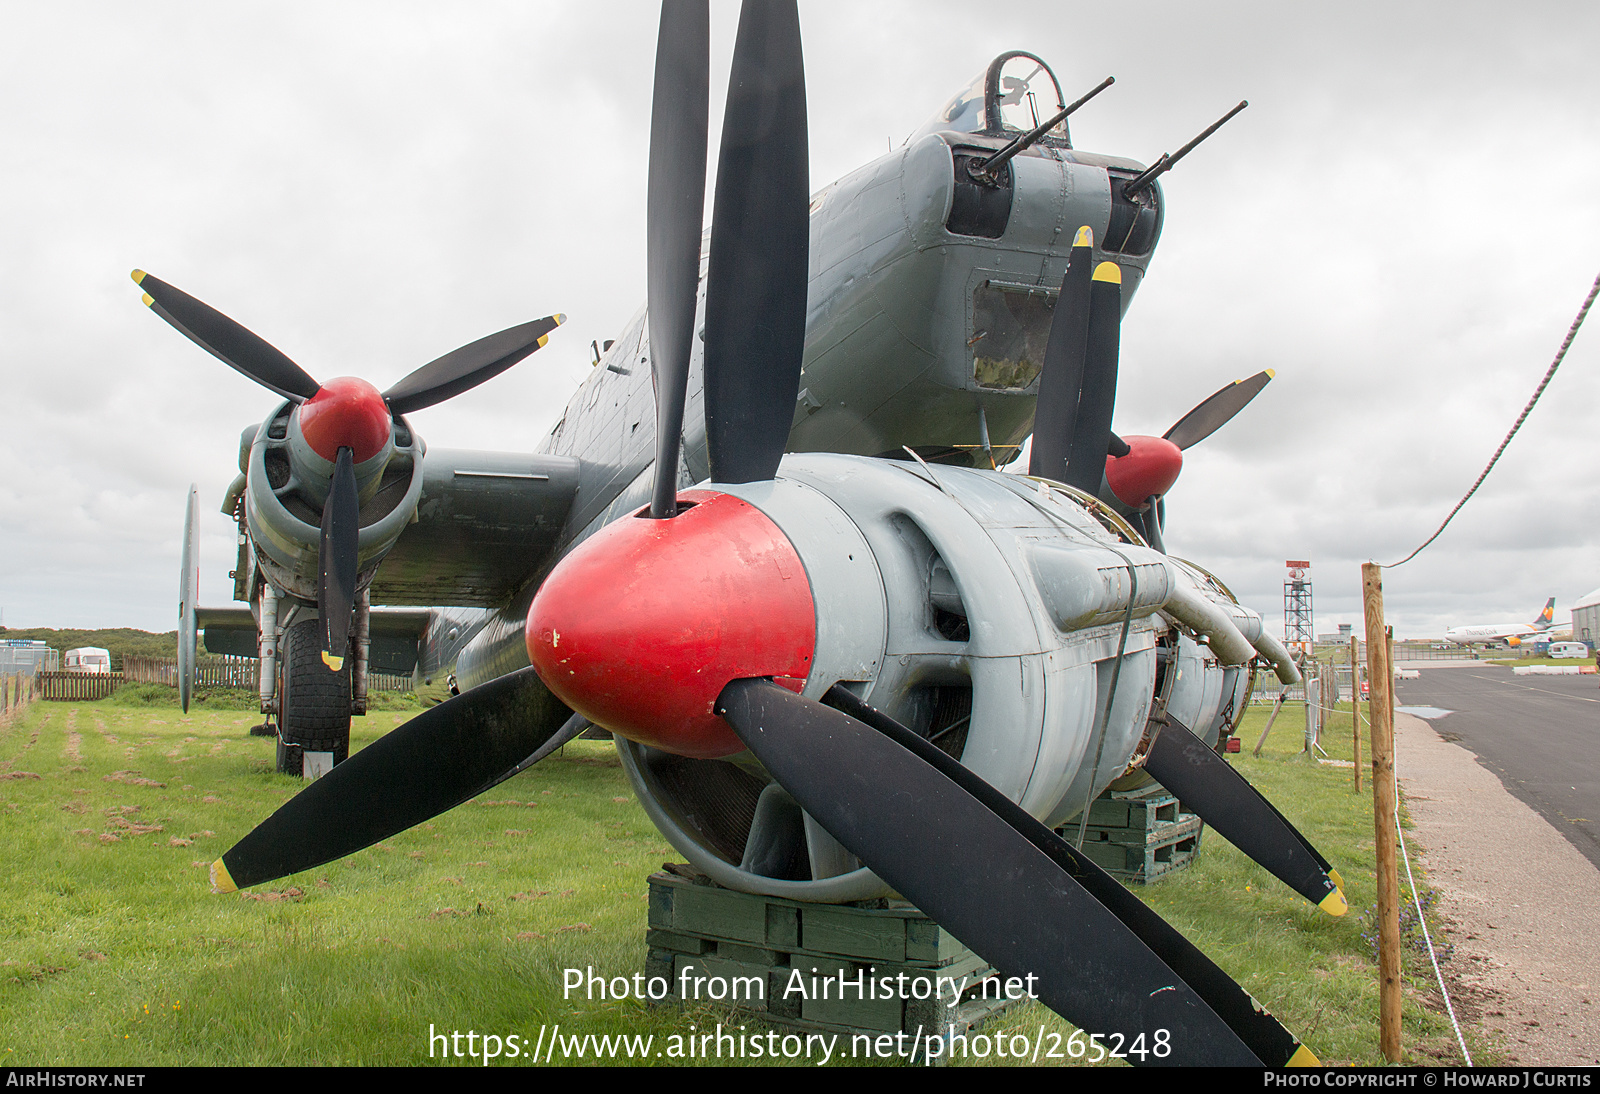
point(229, 672)
point(17, 688)
point(77, 686)
point(210, 672)
point(383, 681)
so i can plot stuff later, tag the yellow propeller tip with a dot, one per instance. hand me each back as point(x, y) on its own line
point(1333, 876)
point(559, 318)
point(1108, 271)
point(138, 277)
point(149, 301)
point(1303, 1057)
point(1271, 372)
point(334, 663)
point(221, 880)
point(1084, 238)
point(1334, 903)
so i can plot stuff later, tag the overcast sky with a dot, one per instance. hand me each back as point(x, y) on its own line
point(1403, 224)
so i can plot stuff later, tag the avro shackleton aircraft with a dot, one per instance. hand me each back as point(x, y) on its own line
point(873, 664)
point(1512, 634)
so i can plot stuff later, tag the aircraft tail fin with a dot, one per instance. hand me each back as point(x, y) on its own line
point(1547, 616)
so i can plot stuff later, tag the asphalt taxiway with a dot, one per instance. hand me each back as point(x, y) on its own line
point(1502, 783)
point(1518, 902)
point(1539, 734)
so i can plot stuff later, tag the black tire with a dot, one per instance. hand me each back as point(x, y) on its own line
point(313, 701)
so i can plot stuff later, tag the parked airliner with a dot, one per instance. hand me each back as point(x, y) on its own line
point(1511, 634)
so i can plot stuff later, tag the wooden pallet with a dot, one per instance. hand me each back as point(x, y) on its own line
point(1138, 835)
point(785, 960)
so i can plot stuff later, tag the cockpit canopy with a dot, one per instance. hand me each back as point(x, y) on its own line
point(1012, 95)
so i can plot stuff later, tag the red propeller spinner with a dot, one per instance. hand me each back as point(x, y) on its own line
point(1147, 470)
point(346, 412)
point(641, 627)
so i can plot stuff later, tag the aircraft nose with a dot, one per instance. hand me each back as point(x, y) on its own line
point(641, 627)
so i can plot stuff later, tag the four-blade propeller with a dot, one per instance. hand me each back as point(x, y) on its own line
point(992, 875)
point(442, 757)
point(345, 421)
point(1072, 438)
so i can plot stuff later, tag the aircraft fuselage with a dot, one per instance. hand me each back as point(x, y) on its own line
point(917, 335)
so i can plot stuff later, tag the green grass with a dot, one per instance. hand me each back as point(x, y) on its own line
point(1520, 661)
point(113, 952)
point(1314, 972)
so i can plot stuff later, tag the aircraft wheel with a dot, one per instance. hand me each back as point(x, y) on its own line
point(314, 702)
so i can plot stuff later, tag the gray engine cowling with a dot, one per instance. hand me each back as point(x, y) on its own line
point(285, 486)
point(989, 613)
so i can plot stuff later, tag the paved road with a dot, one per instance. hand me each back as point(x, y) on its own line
point(1539, 734)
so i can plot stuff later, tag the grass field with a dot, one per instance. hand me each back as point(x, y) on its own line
point(113, 951)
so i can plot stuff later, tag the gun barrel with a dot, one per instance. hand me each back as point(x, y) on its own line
point(1168, 161)
point(985, 169)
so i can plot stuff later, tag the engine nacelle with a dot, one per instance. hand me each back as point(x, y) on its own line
point(990, 613)
point(287, 482)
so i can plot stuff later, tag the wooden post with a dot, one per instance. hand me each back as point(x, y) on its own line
point(1277, 705)
point(1330, 698)
point(1355, 705)
point(1380, 681)
point(1308, 685)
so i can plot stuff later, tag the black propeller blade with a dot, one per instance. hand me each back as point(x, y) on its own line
point(1212, 414)
point(677, 206)
point(1061, 377)
point(1004, 884)
point(226, 340)
point(1204, 782)
point(760, 238)
point(1091, 428)
point(465, 368)
point(336, 560)
point(1078, 382)
point(439, 759)
point(436, 381)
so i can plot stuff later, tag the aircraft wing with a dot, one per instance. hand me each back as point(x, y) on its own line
point(395, 635)
point(230, 631)
point(486, 522)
